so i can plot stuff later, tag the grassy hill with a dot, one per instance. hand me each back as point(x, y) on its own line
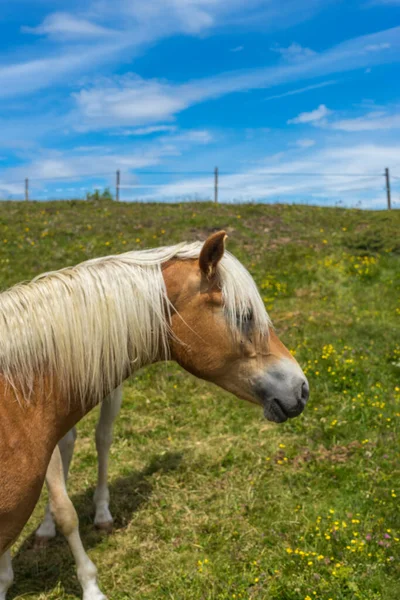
point(210, 501)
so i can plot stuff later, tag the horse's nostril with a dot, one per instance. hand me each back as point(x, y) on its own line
point(305, 391)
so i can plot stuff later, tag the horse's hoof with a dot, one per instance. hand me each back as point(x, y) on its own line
point(42, 541)
point(106, 526)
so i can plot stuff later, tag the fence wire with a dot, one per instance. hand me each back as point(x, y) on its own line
point(358, 190)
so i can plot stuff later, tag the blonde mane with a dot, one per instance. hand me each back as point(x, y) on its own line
point(91, 325)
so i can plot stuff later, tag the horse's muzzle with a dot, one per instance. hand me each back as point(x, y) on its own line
point(283, 393)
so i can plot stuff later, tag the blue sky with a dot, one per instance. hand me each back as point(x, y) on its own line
point(270, 92)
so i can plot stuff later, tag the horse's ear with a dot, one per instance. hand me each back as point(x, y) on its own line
point(211, 253)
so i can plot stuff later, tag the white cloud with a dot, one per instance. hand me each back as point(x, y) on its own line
point(313, 116)
point(377, 47)
point(189, 16)
point(270, 15)
point(131, 101)
point(93, 149)
point(24, 78)
point(67, 25)
point(74, 166)
point(308, 88)
point(294, 52)
point(305, 143)
point(194, 136)
point(51, 168)
point(134, 101)
point(142, 131)
point(237, 49)
point(11, 189)
point(374, 121)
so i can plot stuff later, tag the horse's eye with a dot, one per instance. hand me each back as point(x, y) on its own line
point(245, 320)
point(248, 316)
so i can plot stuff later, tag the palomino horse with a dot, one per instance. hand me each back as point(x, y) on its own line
point(69, 338)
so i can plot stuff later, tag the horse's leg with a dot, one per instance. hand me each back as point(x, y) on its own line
point(47, 529)
point(109, 410)
point(67, 521)
point(6, 574)
point(66, 445)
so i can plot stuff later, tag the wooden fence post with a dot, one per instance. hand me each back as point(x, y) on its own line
point(389, 201)
point(216, 185)
point(118, 180)
point(26, 189)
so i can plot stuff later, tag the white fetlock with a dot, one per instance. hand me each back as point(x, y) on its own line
point(92, 592)
point(87, 575)
point(103, 518)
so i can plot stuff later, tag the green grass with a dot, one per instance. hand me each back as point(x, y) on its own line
point(211, 501)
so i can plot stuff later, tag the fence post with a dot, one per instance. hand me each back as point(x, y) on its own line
point(216, 185)
point(118, 180)
point(389, 201)
point(26, 189)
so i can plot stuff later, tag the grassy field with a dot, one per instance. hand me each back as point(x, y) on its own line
point(211, 501)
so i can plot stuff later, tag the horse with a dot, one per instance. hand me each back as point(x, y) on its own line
point(70, 337)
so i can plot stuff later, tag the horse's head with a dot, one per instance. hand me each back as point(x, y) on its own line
point(221, 332)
